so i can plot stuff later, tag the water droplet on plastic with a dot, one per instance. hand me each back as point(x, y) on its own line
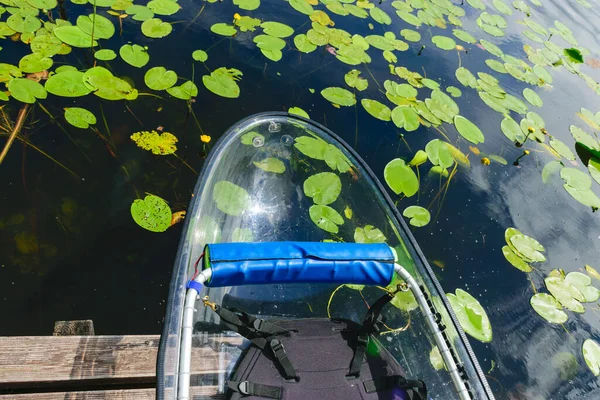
point(258, 141)
point(287, 140)
point(274, 127)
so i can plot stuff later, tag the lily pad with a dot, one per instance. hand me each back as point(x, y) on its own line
point(223, 29)
point(471, 315)
point(464, 36)
point(326, 218)
point(230, 198)
point(185, 91)
point(439, 154)
point(159, 78)
point(532, 97)
point(562, 149)
point(271, 164)
point(152, 213)
point(419, 216)
point(368, 234)
point(199, 55)
point(298, 111)
point(575, 178)
point(25, 90)
point(105, 55)
point(139, 13)
point(515, 260)
point(101, 27)
point(406, 118)
point(594, 169)
point(468, 130)
point(67, 84)
point(401, 178)
point(303, 44)
point(135, 54)
point(163, 7)
point(74, 36)
point(155, 28)
point(566, 294)
point(380, 16)
point(512, 130)
point(410, 35)
point(251, 138)
point(23, 24)
point(339, 96)
point(377, 109)
point(324, 188)
point(583, 283)
point(302, 6)
point(35, 62)
point(267, 42)
point(548, 308)
point(223, 82)
point(79, 117)
point(107, 86)
point(591, 355)
point(444, 42)
point(247, 4)
point(529, 248)
point(161, 144)
point(277, 29)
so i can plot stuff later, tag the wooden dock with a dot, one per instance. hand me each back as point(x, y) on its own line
point(92, 368)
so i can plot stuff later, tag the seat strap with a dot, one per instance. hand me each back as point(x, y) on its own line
point(261, 333)
point(246, 388)
point(418, 388)
point(369, 327)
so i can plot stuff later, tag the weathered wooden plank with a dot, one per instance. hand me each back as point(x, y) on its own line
point(205, 392)
point(39, 361)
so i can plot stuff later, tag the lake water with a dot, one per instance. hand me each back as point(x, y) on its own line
point(69, 248)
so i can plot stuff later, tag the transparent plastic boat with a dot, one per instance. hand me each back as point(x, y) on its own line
point(267, 203)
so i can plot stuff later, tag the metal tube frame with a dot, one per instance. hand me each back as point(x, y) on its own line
point(183, 382)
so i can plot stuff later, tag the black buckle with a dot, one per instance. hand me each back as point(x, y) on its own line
point(362, 339)
point(277, 348)
point(244, 387)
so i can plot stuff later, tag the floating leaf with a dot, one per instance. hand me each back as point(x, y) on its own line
point(406, 118)
point(74, 36)
point(574, 55)
point(271, 164)
point(247, 4)
point(439, 154)
point(101, 27)
point(152, 213)
point(140, 13)
point(454, 91)
point(277, 29)
point(339, 96)
point(471, 315)
point(465, 77)
point(575, 178)
point(326, 218)
point(548, 308)
point(156, 28)
point(104, 55)
point(532, 97)
point(419, 216)
point(223, 29)
point(583, 283)
point(592, 272)
point(251, 138)
point(468, 130)
point(134, 55)
point(528, 248)
point(512, 130)
point(79, 117)
point(303, 44)
point(369, 234)
point(335, 159)
point(35, 62)
point(410, 35)
point(324, 188)
point(184, 91)
point(25, 90)
point(594, 169)
point(223, 82)
point(67, 84)
point(163, 7)
point(23, 24)
point(302, 6)
point(464, 36)
point(515, 260)
point(377, 109)
point(267, 42)
point(380, 16)
point(435, 358)
point(159, 78)
point(107, 86)
point(591, 355)
point(562, 149)
point(353, 80)
point(298, 111)
point(566, 294)
point(230, 198)
point(444, 43)
point(161, 144)
point(409, 18)
point(401, 178)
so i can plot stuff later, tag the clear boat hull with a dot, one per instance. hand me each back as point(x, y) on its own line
point(264, 161)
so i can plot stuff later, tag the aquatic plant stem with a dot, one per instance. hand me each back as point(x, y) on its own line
point(355, 123)
point(313, 71)
point(15, 131)
point(62, 128)
point(186, 164)
point(93, 25)
point(42, 152)
point(370, 73)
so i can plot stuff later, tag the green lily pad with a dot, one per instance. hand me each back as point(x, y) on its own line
point(574, 55)
point(594, 169)
point(230, 198)
point(566, 294)
point(324, 188)
point(419, 216)
point(159, 78)
point(532, 97)
point(454, 91)
point(134, 55)
point(515, 260)
point(439, 154)
point(303, 44)
point(435, 359)
point(575, 178)
point(302, 6)
point(311, 147)
point(512, 130)
point(591, 355)
point(339, 96)
point(501, 6)
point(199, 55)
point(79, 117)
point(410, 35)
point(46, 45)
point(252, 137)
point(25, 90)
point(409, 18)
point(74, 36)
point(468, 130)
point(548, 308)
point(471, 315)
point(152, 213)
point(23, 24)
point(67, 84)
point(35, 62)
point(223, 82)
point(185, 91)
point(155, 28)
point(277, 29)
point(139, 13)
point(105, 55)
point(380, 16)
point(163, 7)
point(583, 283)
point(562, 149)
point(466, 78)
point(368, 234)
point(223, 29)
point(247, 4)
point(550, 169)
point(335, 159)
point(267, 42)
point(464, 36)
point(326, 218)
point(271, 164)
point(406, 118)
point(298, 111)
point(401, 178)
point(444, 42)
point(353, 80)
point(101, 27)
point(528, 248)
point(377, 109)
point(161, 144)
point(584, 196)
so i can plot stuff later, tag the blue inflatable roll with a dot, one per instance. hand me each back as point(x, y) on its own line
point(235, 264)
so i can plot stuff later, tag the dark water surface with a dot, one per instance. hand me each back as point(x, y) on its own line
point(69, 248)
